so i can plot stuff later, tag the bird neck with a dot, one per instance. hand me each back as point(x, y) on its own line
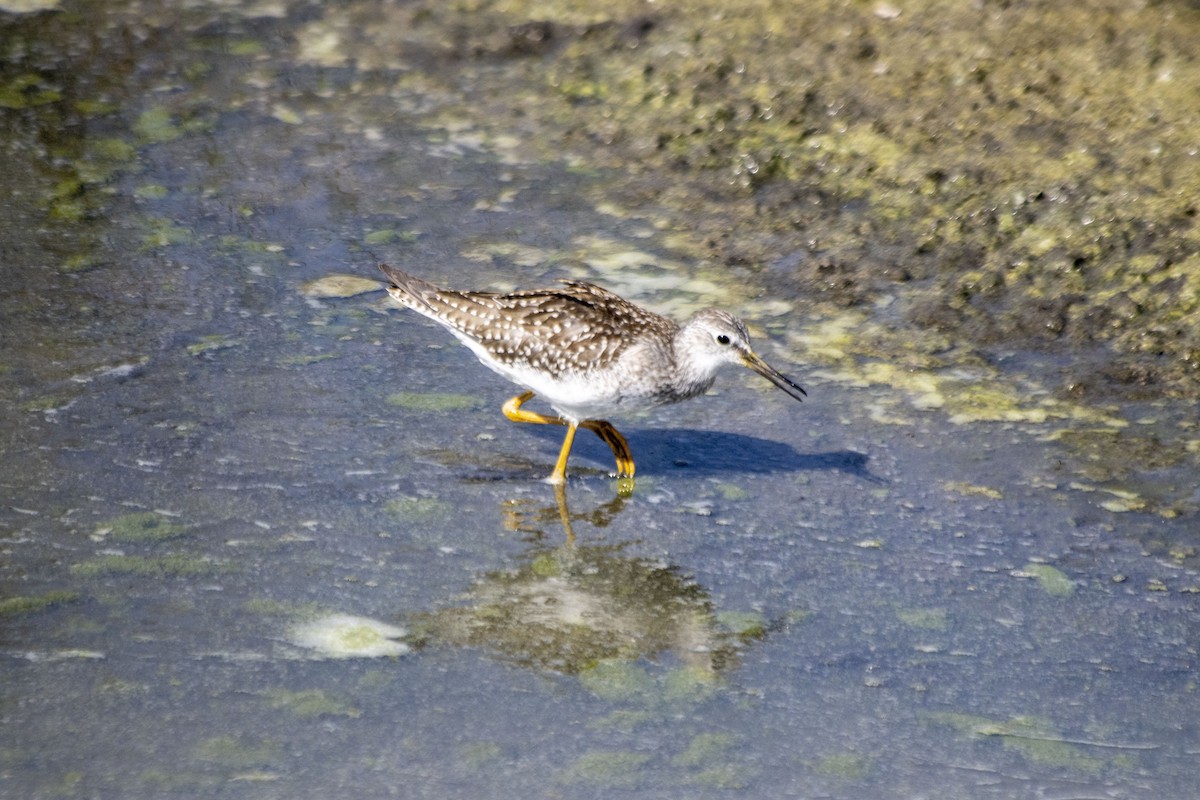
point(694, 373)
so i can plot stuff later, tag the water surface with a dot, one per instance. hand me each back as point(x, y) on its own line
point(205, 452)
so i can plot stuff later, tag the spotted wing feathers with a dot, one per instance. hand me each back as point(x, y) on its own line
point(575, 329)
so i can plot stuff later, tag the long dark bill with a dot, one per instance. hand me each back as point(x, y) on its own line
point(773, 375)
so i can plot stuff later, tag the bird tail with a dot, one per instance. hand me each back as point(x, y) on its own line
point(409, 290)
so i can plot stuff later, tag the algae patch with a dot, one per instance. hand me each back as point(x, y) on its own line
point(238, 753)
point(433, 401)
point(384, 236)
point(743, 624)
point(349, 636)
point(972, 490)
point(708, 760)
point(610, 769)
point(929, 619)
point(418, 509)
point(30, 604)
point(161, 232)
point(211, 344)
point(169, 566)
point(339, 285)
point(156, 125)
point(26, 91)
point(310, 704)
point(147, 526)
point(1036, 739)
point(621, 681)
point(1052, 580)
point(848, 766)
point(480, 755)
point(618, 680)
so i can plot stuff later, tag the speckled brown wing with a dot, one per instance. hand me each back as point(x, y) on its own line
point(575, 329)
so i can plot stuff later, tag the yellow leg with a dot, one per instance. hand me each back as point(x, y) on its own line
point(513, 410)
point(616, 442)
point(560, 468)
point(607, 433)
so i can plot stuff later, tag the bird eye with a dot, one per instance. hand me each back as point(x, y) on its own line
point(722, 339)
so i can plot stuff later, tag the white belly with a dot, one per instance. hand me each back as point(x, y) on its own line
point(620, 389)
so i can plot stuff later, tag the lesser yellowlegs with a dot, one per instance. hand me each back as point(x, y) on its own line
point(587, 352)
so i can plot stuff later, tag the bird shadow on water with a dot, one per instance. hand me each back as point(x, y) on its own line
point(708, 452)
point(718, 452)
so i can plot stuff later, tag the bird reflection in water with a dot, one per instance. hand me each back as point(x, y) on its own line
point(524, 516)
point(568, 606)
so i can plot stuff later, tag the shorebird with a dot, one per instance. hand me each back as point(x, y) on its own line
point(587, 352)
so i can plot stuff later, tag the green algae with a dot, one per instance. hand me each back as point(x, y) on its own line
point(233, 752)
point(339, 286)
point(480, 755)
point(617, 680)
point(27, 91)
point(929, 619)
point(167, 566)
point(1037, 739)
point(688, 685)
point(104, 160)
point(48, 402)
point(139, 527)
point(732, 492)
point(973, 490)
point(546, 565)
point(744, 624)
point(421, 510)
point(707, 761)
point(1053, 581)
point(433, 401)
point(244, 47)
point(704, 749)
point(612, 769)
point(384, 236)
point(161, 232)
point(310, 704)
point(156, 125)
point(212, 343)
point(847, 766)
point(113, 149)
point(31, 604)
point(95, 106)
point(150, 191)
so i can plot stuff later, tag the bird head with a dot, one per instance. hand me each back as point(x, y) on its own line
point(721, 338)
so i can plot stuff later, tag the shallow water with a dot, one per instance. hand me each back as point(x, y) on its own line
point(205, 453)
